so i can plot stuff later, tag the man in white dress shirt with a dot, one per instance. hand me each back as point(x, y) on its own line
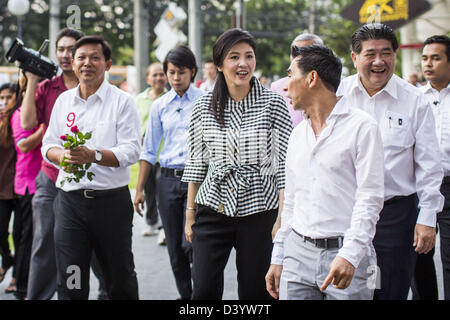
point(334, 189)
point(210, 74)
point(94, 215)
point(436, 69)
point(411, 168)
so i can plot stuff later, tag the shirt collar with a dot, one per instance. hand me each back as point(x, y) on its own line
point(340, 108)
point(428, 87)
point(390, 87)
point(58, 83)
point(188, 94)
point(100, 93)
point(256, 90)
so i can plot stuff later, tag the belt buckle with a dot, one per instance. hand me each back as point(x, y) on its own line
point(85, 191)
point(325, 243)
point(178, 173)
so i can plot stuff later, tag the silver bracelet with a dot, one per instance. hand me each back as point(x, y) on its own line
point(191, 209)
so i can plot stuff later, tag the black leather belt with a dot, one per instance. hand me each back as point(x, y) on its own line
point(92, 194)
point(327, 243)
point(395, 199)
point(177, 173)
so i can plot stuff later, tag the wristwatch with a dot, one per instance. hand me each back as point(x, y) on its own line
point(98, 156)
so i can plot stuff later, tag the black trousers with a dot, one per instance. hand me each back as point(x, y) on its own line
point(424, 282)
point(393, 244)
point(443, 219)
point(102, 224)
point(150, 190)
point(23, 235)
point(6, 208)
point(172, 195)
point(214, 236)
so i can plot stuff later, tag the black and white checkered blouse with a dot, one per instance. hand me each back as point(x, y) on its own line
point(240, 165)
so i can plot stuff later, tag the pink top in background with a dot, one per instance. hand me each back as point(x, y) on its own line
point(28, 164)
point(46, 94)
point(277, 86)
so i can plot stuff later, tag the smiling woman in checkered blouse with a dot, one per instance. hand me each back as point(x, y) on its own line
point(238, 138)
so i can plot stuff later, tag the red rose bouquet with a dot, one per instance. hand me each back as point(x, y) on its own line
point(77, 171)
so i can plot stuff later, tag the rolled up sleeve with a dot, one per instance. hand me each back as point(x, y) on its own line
point(128, 134)
point(52, 135)
point(197, 164)
point(153, 135)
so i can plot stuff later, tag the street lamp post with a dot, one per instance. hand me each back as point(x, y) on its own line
point(19, 8)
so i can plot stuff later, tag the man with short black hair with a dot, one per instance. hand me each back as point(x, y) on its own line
point(36, 108)
point(334, 190)
point(411, 169)
point(302, 40)
point(279, 86)
point(436, 69)
point(94, 215)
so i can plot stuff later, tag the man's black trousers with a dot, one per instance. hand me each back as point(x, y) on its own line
point(104, 224)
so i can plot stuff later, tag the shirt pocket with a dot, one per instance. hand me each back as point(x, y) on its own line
point(396, 130)
point(105, 134)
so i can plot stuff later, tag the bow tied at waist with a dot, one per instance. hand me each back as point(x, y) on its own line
point(226, 172)
point(232, 175)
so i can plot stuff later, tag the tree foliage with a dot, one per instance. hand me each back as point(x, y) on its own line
point(274, 24)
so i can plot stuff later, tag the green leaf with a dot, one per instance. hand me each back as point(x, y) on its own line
point(69, 180)
point(90, 175)
point(87, 165)
point(67, 145)
point(80, 135)
point(88, 135)
point(62, 183)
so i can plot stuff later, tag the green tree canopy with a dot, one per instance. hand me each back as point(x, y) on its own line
point(274, 24)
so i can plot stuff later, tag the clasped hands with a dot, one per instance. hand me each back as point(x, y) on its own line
point(78, 155)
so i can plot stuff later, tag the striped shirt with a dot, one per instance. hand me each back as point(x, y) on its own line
point(240, 165)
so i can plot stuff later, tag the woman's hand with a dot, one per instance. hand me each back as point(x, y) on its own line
point(190, 220)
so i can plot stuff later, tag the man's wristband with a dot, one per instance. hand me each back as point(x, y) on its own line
point(191, 209)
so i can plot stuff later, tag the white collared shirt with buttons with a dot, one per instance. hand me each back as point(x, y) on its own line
point(112, 116)
point(333, 184)
point(440, 104)
point(409, 138)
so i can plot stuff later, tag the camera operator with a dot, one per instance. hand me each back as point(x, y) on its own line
point(37, 108)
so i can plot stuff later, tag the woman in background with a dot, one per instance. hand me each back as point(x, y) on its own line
point(7, 170)
point(169, 119)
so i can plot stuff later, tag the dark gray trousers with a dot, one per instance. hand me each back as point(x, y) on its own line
point(393, 244)
point(42, 275)
point(172, 203)
point(151, 190)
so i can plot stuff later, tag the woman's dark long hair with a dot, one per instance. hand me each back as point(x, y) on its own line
point(6, 135)
point(223, 45)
